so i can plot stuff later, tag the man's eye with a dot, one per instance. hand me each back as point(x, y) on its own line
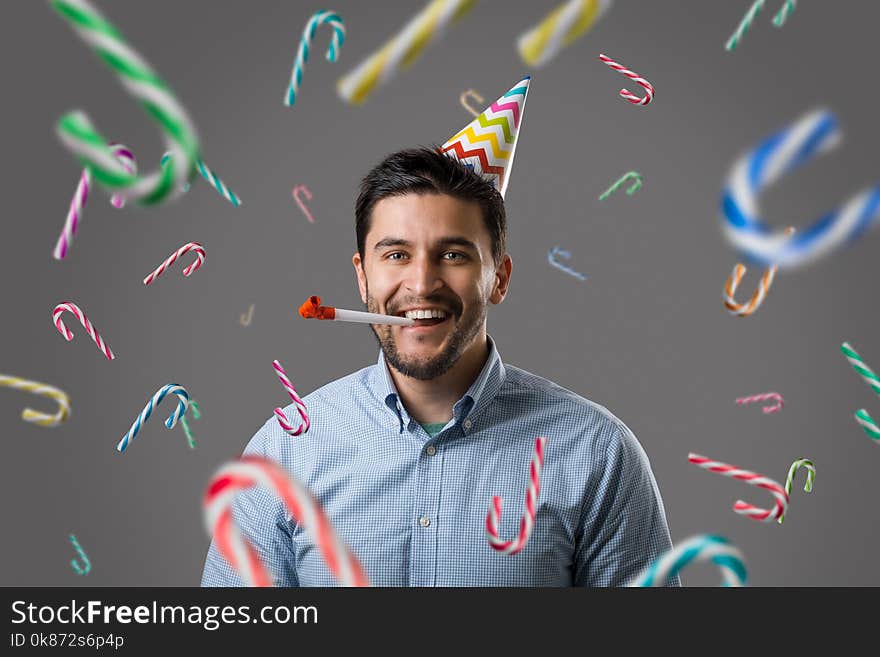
point(394, 254)
point(458, 256)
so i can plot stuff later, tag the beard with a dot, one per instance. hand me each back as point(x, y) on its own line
point(465, 328)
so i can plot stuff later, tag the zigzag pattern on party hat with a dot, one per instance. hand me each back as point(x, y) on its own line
point(487, 143)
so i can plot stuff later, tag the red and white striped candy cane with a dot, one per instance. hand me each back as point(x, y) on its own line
point(764, 396)
point(189, 269)
point(780, 507)
point(80, 315)
point(631, 97)
point(300, 405)
point(528, 518)
point(251, 471)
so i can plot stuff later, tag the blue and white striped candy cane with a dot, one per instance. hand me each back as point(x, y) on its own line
point(302, 54)
point(816, 132)
point(182, 405)
point(704, 547)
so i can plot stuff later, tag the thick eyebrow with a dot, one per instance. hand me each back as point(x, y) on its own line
point(455, 240)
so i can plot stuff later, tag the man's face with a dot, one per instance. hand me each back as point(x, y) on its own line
point(429, 251)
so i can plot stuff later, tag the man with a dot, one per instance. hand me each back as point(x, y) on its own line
point(406, 455)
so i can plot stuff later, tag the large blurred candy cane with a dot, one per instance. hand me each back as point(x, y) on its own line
point(814, 133)
point(493, 517)
point(252, 471)
point(76, 130)
point(300, 405)
point(755, 513)
point(865, 421)
point(176, 414)
point(38, 417)
point(81, 316)
point(302, 54)
point(704, 547)
point(559, 29)
point(189, 269)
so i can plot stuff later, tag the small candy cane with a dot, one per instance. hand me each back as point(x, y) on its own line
point(764, 396)
point(38, 417)
point(189, 269)
point(251, 471)
point(733, 281)
point(76, 130)
point(629, 192)
point(196, 415)
point(82, 554)
point(784, 12)
point(755, 513)
point(746, 22)
point(246, 320)
point(302, 54)
point(300, 405)
point(463, 99)
point(704, 547)
point(493, 517)
point(302, 206)
point(212, 178)
point(80, 315)
point(176, 414)
point(865, 421)
point(811, 477)
point(627, 95)
point(551, 258)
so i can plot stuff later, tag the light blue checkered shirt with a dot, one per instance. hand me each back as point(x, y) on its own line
point(413, 508)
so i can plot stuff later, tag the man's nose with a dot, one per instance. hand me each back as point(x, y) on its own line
point(423, 277)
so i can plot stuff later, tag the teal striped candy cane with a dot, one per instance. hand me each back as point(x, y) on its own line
point(212, 178)
point(784, 12)
point(866, 421)
point(811, 477)
point(194, 405)
point(302, 55)
point(703, 547)
point(77, 133)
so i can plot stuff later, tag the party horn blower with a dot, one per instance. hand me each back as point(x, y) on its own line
point(312, 309)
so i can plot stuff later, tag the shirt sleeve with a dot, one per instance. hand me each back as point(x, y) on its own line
point(264, 522)
point(623, 528)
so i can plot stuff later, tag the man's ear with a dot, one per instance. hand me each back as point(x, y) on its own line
point(362, 279)
point(502, 280)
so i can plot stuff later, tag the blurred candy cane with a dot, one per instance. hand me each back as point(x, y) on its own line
point(747, 20)
point(189, 269)
point(463, 99)
point(302, 54)
point(704, 547)
point(559, 29)
point(300, 405)
point(755, 513)
point(632, 189)
point(865, 421)
point(38, 417)
point(551, 258)
point(143, 83)
point(176, 414)
point(80, 315)
point(808, 485)
point(251, 471)
point(299, 201)
point(764, 396)
point(527, 522)
point(628, 95)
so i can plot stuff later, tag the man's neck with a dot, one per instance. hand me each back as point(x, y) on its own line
point(431, 401)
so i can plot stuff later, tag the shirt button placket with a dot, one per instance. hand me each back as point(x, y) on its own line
point(426, 506)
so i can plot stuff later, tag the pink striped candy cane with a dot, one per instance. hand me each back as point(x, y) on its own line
point(80, 315)
point(631, 97)
point(764, 396)
point(189, 269)
point(251, 471)
point(780, 507)
point(528, 519)
point(129, 163)
point(300, 405)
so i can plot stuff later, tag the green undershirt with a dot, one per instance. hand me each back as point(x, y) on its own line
point(433, 429)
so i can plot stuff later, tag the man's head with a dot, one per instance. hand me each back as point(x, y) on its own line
point(431, 234)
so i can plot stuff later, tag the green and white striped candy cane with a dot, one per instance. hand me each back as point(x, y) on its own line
point(866, 421)
point(76, 130)
point(811, 477)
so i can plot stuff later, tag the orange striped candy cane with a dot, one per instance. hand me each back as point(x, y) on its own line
point(733, 281)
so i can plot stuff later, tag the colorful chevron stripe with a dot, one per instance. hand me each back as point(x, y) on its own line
point(487, 143)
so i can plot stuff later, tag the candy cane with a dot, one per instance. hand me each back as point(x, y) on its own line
point(45, 390)
point(80, 315)
point(764, 396)
point(176, 414)
point(627, 95)
point(300, 405)
point(251, 471)
point(746, 22)
point(559, 29)
point(76, 130)
point(493, 517)
point(300, 203)
point(732, 283)
point(865, 421)
point(703, 547)
point(189, 269)
point(87, 565)
point(81, 195)
point(784, 12)
point(551, 258)
point(302, 54)
point(630, 190)
point(781, 153)
point(402, 50)
point(463, 99)
point(212, 178)
point(808, 485)
point(755, 513)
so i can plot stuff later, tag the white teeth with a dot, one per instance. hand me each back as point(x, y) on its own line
point(425, 314)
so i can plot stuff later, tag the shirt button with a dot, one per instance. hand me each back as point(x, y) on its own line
point(467, 424)
point(424, 521)
point(431, 450)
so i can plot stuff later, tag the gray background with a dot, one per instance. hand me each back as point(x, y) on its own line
point(645, 335)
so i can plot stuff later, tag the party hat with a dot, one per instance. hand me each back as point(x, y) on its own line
point(487, 143)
